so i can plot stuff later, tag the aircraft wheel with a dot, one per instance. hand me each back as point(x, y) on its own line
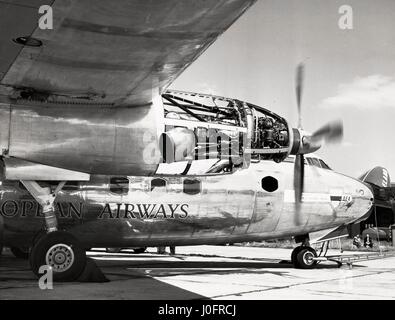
point(139, 250)
point(305, 257)
point(20, 252)
point(293, 256)
point(62, 252)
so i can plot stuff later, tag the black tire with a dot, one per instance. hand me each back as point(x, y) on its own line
point(20, 252)
point(139, 250)
point(63, 246)
point(304, 260)
point(293, 256)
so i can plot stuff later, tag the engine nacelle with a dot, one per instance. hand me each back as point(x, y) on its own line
point(224, 128)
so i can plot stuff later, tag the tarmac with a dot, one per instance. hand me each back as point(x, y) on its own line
point(207, 272)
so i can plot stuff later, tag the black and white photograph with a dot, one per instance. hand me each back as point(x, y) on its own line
point(210, 150)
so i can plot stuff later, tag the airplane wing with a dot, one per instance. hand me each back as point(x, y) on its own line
point(114, 52)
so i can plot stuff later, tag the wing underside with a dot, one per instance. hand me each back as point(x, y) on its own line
point(114, 52)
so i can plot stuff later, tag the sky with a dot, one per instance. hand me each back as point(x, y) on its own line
point(349, 74)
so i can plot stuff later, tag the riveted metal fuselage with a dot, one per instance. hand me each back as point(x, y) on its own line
point(216, 209)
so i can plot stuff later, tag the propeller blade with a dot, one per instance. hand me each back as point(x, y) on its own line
point(331, 132)
point(298, 186)
point(299, 90)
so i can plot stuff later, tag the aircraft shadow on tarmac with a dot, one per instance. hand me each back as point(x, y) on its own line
point(149, 261)
point(17, 281)
point(135, 276)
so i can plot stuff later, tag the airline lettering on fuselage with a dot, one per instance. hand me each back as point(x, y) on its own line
point(144, 211)
point(29, 208)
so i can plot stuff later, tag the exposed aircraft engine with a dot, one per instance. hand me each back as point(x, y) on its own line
point(270, 133)
point(177, 144)
point(233, 130)
point(227, 128)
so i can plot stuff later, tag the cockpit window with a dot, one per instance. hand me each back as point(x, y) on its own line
point(310, 161)
point(292, 160)
point(314, 162)
point(324, 165)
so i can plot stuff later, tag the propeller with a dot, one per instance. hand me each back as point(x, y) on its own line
point(306, 143)
point(299, 160)
point(299, 91)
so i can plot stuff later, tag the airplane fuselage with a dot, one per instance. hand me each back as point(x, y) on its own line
point(186, 210)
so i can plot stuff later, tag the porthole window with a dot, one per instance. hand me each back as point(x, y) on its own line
point(157, 183)
point(269, 184)
point(119, 185)
point(192, 186)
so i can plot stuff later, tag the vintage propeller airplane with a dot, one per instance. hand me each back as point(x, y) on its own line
point(96, 151)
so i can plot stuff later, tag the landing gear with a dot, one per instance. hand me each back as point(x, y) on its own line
point(46, 198)
point(20, 252)
point(57, 249)
point(62, 252)
point(302, 257)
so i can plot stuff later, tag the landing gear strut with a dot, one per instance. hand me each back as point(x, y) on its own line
point(56, 249)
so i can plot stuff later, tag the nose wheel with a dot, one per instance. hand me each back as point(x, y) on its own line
point(62, 252)
point(302, 257)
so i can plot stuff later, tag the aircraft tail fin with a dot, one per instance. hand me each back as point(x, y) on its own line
point(377, 176)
